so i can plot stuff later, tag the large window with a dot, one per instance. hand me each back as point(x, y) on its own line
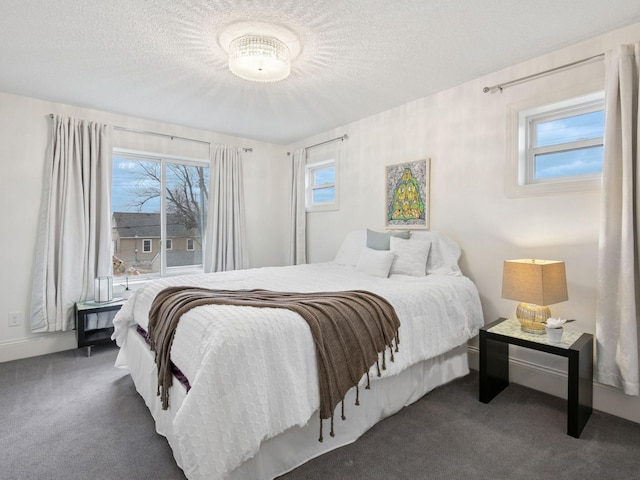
point(159, 207)
point(559, 146)
point(321, 186)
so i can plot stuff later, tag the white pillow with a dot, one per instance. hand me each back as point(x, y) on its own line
point(349, 251)
point(375, 262)
point(410, 256)
point(444, 254)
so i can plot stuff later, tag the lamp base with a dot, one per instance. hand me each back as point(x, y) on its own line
point(532, 317)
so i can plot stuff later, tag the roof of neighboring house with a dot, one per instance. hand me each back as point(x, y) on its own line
point(132, 224)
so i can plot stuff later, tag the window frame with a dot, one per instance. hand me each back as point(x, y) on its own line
point(191, 244)
point(163, 159)
point(168, 244)
point(520, 172)
point(144, 243)
point(311, 187)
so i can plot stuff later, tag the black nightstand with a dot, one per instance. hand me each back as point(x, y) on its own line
point(92, 328)
point(577, 347)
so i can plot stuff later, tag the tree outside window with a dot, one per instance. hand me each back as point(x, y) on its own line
point(158, 201)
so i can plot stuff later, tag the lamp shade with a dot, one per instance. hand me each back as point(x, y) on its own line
point(541, 282)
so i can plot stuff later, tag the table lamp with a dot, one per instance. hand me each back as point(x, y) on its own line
point(536, 284)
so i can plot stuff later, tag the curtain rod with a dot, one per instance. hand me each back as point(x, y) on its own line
point(158, 134)
point(500, 86)
point(341, 138)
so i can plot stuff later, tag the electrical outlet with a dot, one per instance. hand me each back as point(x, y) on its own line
point(15, 319)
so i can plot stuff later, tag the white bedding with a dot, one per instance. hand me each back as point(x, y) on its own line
point(253, 371)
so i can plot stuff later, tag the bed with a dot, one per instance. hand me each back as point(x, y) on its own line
point(250, 407)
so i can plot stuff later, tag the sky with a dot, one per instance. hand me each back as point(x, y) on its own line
point(582, 161)
point(129, 180)
point(125, 180)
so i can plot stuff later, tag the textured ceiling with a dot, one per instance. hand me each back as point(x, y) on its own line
point(163, 59)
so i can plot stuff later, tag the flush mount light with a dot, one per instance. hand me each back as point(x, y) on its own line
point(259, 58)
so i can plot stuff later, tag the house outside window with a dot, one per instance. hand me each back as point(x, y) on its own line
point(159, 207)
point(558, 147)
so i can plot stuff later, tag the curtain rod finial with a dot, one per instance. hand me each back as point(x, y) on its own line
point(494, 89)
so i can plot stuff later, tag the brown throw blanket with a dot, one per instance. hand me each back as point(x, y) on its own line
point(349, 328)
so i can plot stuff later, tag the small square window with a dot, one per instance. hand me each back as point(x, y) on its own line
point(558, 147)
point(566, 142)
point(169, 244)
point(321, 186)
point(147, 245)
point(190, 244)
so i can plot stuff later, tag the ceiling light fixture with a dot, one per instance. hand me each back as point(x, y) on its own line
point(259, 58)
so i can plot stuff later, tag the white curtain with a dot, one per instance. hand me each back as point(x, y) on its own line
point(297, 215)
point(74, 234)
point(226, 238)
point(617, 319)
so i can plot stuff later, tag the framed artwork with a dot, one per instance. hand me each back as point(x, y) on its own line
point(407, 202)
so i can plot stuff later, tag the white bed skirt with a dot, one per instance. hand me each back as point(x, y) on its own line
point(296, 446)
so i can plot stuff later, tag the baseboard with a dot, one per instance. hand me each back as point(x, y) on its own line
point(532, 375)
point(554, 382)
point(37, 345)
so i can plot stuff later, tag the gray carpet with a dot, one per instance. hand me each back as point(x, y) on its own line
point(66, 416)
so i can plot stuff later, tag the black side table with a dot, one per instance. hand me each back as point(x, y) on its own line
point(88, 331)
point(577, 347)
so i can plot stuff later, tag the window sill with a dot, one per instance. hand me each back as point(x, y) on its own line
point(514, 190)
point(322, 208)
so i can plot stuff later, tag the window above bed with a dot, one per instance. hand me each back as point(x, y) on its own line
point(159, 207)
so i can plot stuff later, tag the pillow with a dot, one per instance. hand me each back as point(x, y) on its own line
point(380, 240)
point(375, 262)
point(444, 254)
point(410, 256)
point(349, 251)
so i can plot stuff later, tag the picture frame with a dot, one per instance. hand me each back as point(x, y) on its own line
point(407, 202)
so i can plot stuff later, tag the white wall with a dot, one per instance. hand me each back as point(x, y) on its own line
point(464, 132)
point(24, 130)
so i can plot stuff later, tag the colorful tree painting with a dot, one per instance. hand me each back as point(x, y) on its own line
point(407, 195)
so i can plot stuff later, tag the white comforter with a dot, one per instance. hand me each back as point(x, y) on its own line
point(253, 370)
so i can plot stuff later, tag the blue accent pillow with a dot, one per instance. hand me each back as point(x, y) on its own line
point(381, 240)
